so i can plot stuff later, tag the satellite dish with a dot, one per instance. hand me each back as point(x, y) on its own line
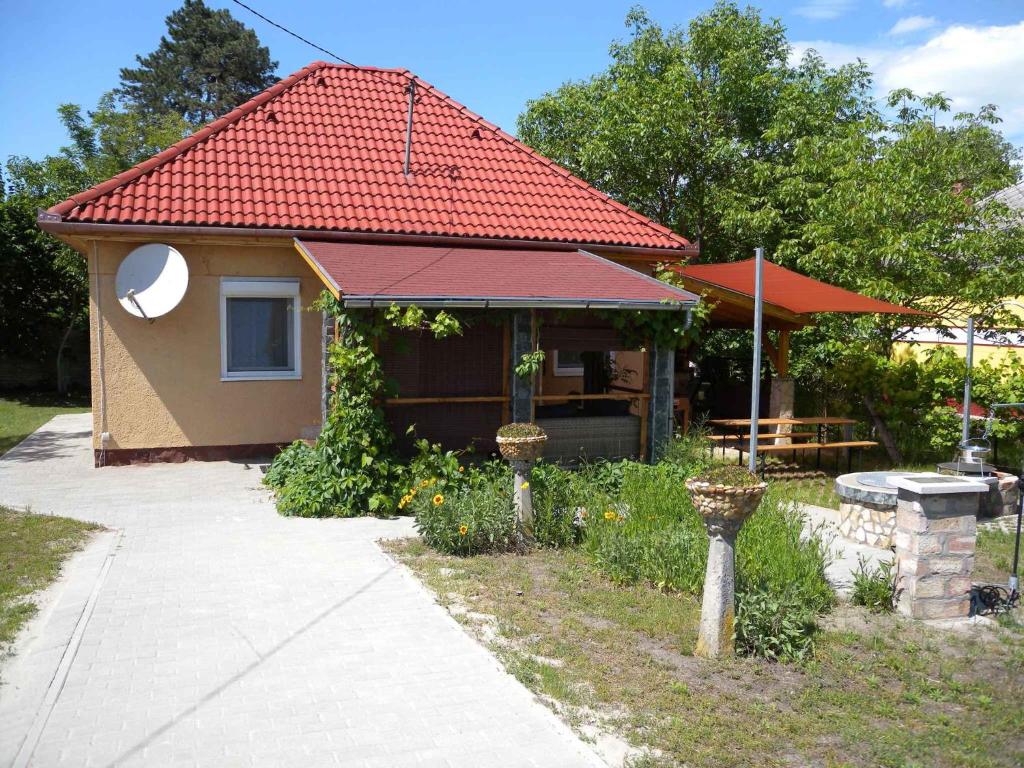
point(151, 280)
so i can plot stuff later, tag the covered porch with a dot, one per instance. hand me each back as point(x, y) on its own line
point(790, 302)
point(600, 392)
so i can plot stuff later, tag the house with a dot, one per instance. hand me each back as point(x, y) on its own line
point(377, 187)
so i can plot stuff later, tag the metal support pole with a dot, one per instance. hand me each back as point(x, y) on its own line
point(755, 384)
point(408, 129)
point(966, 432)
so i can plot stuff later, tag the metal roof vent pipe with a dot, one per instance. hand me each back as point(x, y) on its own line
point(411, 90)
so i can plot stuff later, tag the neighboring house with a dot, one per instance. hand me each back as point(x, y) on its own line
point(305, 188)
point(992, 344)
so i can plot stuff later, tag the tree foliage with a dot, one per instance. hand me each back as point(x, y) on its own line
point(43, 298)
point(714, 131)
point(207, 65)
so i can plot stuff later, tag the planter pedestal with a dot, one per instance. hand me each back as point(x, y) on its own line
point(724, 510)
point(523, 497)
point(718, 608)
point(521, 452)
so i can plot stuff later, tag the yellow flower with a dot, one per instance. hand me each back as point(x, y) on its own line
point(525, 485)
point(462, 469)
point(424, 484)
point(438, 500)
point(463, 529)
point(433, 480)
point(610, 515)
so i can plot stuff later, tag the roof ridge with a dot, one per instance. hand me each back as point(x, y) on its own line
point(189, 141)
point(522, 146)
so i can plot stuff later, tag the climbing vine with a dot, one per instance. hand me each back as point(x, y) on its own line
point(352, 469)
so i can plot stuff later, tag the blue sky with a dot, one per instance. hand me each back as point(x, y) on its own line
point(493, 57)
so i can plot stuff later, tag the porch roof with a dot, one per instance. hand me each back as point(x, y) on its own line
point(790, 299)
point(362, 275)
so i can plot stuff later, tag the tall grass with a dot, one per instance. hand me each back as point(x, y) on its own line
point(656, 536)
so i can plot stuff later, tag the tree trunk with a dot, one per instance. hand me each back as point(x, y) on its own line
point(62, 383)
point(888, 442)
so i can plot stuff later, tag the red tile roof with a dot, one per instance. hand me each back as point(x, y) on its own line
point(323, 150)
point(501, 276)
point(790, 290)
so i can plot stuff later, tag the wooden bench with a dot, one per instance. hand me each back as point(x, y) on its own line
point(850, 445)
point(761, 436)
point(743, 440)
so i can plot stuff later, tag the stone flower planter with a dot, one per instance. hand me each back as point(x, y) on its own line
point(726, 502)
point(522, 448)
point(724, 507)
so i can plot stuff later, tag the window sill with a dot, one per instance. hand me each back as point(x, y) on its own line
point(263, 377)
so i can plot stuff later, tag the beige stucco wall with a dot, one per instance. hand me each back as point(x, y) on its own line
point(162, 382)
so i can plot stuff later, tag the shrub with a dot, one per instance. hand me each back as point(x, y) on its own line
point(774, 626)
point(473, 517)
point(297, 456)
point(877, 589)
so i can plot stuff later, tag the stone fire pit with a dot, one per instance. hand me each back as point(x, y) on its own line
point(867, 503)
point(867, 507)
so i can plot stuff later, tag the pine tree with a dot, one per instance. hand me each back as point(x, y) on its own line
point(207, 65)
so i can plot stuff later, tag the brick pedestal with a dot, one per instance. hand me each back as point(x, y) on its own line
point(936, 527)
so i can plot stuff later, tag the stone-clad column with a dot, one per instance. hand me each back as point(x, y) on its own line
point(520, 389)
point(936, 528)
point(661, 373)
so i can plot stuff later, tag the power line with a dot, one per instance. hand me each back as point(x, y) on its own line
point(293, 34)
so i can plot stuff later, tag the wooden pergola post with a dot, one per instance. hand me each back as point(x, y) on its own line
point(783, 392)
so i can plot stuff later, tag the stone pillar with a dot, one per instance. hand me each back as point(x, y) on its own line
point(520, 389)
point(780, 406)
point(936, 528)
point(523, 497)
point(718, 608)
point(661, 375)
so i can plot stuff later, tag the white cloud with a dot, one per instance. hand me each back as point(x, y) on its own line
point(972, 65)
point(823, 9)
point(913, 24)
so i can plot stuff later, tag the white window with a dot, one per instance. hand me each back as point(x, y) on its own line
point(568, 363)
point(260, 329)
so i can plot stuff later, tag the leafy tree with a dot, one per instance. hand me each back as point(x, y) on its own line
point(712, 131)
point(43, 297)
point(692, 126)
point(207, 65)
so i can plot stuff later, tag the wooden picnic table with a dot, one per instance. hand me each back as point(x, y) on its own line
point(734, 428)
point(746, 422)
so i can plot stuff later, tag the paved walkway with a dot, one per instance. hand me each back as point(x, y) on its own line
point(846, 554)
point(205, 629)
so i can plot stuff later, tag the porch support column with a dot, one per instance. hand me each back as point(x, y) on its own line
point(327, 333)
point(520, 389)
point(661, 372)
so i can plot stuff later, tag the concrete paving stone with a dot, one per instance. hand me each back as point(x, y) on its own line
point(224, 634)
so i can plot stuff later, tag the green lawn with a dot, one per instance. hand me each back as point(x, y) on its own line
point(22, 413)
point(32, 548)
point(880, 691)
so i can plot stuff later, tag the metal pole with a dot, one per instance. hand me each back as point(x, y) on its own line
point(755, 384)
point(408, 127)
point(966, 431)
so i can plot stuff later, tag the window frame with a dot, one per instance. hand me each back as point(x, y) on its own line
point(557, 369)
point(264, 288)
